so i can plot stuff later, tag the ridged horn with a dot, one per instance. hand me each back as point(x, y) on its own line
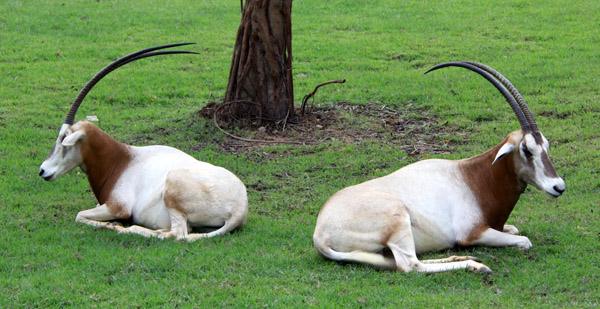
point(513, 90)
point(507, 95)
point(144, 53)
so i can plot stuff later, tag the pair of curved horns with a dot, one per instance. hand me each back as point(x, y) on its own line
point(508, 90)
point(144, 53)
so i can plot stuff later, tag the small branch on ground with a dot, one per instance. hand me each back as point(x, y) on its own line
point(411, 128)
point(310, 95)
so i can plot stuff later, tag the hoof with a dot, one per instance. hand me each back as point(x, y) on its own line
point(478, 268)
point(510, 229)
point(484, 270)
point(524, 244)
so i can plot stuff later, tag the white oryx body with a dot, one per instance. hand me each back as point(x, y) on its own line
point(408, 192)
point(437, 204)
point(220, 195)
point(219, 192)
point(162, 190)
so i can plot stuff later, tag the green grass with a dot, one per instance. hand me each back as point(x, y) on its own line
point(48, 49)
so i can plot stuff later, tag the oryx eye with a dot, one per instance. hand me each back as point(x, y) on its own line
point(526, 151)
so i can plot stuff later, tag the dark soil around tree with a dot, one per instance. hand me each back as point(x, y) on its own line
point(415, 130)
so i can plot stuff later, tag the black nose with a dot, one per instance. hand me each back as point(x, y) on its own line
point(559, 190)
point(41, 172)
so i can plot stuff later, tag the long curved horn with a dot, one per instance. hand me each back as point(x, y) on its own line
point(513, 90)
point(509, 98)
point(148, 52)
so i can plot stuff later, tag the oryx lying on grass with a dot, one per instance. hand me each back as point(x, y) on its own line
point(161, 189)
point(437, 204)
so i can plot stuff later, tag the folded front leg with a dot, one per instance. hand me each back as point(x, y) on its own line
point(510, 229)
point(494, 238)
point(98, 217)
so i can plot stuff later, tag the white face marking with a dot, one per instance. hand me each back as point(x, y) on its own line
point(536, 167)
point(63, 158)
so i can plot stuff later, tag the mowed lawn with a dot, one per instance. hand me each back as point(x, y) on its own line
point(49, 49)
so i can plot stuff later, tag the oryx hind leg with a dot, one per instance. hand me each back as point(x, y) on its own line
point(179, 225)
point(402, 245)
point(181, 231)
point(190, 201)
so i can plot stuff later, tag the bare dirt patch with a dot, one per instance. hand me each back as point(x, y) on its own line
point(414, 129)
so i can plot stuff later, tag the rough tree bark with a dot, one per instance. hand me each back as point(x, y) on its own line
point(261, 68)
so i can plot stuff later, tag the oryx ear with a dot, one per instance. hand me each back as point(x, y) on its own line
point(504, 150)
point(73, 138)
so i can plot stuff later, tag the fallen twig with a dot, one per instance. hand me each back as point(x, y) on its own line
point(311, 94)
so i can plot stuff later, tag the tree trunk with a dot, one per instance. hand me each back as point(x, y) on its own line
point(260, 77)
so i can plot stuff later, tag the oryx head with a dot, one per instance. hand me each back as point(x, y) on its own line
point(66, 154)
point(529, 150)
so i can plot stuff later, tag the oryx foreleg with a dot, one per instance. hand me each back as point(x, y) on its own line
point(98, 217)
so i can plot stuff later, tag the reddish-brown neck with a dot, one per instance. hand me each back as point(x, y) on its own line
point(105, 160)
point(496, 187)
